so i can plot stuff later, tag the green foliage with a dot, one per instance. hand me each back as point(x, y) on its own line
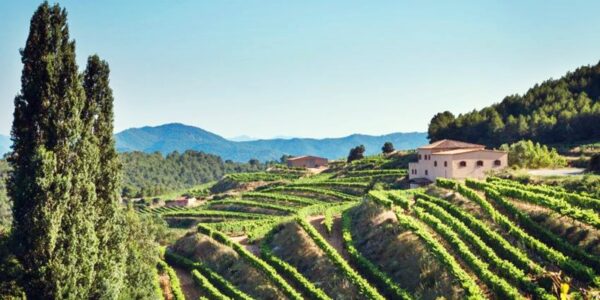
point(491, 237)
point(470, 286)
point(261, 265)
point(594, 164)
point(587, 216)
point(163, 267)
point(526, 154)
point(502, 288)
point(371, 271)
point(217, 280)
point(362, 284)
point(207, 287)
point(356, 153)
point(308, 288)
point(569, 265)
point(254, 204)
point(555, 111)
point(505, 268)
point(387, 148)
point(141, 254)
point(261, 176)
point(574, 199)
point(5, 203)
point(155, 174)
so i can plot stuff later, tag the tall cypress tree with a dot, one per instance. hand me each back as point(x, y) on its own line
point(54, 160)
point(111, 226)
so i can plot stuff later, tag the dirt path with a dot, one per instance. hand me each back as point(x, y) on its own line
point(556, 172)
point(243, 240)
point(188, 285)
point(335, 238)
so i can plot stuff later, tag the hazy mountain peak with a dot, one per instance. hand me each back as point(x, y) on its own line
point(180, 137)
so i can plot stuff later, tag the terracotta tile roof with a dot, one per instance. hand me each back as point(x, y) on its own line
point(450, 144)
point(459, 151)
point(455, 151)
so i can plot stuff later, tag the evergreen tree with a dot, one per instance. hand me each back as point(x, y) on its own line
point(111, 226)
point(57, 135)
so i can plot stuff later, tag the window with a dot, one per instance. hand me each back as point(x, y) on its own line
point(426, 173)
point(480, 163)
point(497, 162)
point(445, 164)
point(419, 156)
point(435, 163)
point(462, 164)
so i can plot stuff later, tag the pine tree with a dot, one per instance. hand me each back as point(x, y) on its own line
point(53, 163)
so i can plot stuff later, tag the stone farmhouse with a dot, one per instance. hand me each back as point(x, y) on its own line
point(454, 159)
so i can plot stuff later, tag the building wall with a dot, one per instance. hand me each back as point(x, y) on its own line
point(308, 162)
point(474, 171)
point(432, 166)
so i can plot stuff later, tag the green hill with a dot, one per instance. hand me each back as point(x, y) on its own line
point(557, 111)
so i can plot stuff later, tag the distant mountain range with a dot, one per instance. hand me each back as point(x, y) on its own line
point(179, 137)
point(5, 143)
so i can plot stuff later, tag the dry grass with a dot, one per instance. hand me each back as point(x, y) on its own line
point(575, 232)
point(228, 264)
point(188, 285)
point(401, 254)
point(293, 245)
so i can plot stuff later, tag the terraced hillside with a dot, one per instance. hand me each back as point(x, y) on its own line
point(353, 233)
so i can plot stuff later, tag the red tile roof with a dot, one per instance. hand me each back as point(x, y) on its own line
point(451, 144)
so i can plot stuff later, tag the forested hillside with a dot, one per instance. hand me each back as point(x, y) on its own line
point(153, 174)
point(179, 137)
point(556, 111)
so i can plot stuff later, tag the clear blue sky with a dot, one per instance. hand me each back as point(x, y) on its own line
point(312, 68)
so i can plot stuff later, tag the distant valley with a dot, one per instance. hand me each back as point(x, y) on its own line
point(179, 137)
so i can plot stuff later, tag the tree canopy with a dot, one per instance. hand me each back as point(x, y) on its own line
point(555, 111)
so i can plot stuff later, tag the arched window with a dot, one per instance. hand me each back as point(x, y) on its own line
point(419, 156)
point(480, 163)
point(435, 163)
point(497, 162)
point(426, 173)
point(462, 164)
point(445, 164)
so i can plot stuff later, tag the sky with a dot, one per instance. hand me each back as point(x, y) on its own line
point(311, 68)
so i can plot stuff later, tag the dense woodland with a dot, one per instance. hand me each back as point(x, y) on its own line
point(154, 174)
point(556, 111)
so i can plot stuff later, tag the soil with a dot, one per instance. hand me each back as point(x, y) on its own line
point(229, 264)
point(188, 286)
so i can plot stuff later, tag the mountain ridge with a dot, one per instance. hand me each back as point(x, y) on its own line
point(179, 137)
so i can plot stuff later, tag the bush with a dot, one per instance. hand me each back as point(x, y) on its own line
point(526, 154)
point(356, 153)
point(387, 148)
point(594, 165)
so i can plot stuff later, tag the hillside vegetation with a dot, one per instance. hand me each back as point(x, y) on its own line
point(351, 233)
point(155, 174)
point(179, 137)
point(556, 111)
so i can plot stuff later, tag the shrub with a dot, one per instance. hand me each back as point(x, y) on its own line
point(387, 148)
point(526, 154)
point(356, 153)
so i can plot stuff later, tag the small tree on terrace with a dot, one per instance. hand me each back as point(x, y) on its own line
point(594, 165)
point(356, 153)
point(388, 148)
